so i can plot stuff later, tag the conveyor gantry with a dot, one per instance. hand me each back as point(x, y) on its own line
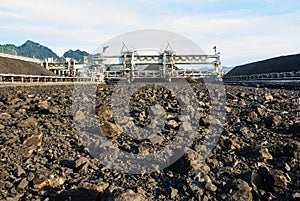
point(128, 61)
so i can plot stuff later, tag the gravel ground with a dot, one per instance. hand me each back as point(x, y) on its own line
point(255, 158)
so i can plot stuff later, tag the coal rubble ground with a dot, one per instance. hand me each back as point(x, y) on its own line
point(255, 158)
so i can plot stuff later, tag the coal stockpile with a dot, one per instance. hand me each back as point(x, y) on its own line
point(288, 63)
point(256, 156)
point(14, 66)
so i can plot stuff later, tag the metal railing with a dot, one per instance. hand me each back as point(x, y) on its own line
point(40, 78)
point(158, 74)
point(279, 77)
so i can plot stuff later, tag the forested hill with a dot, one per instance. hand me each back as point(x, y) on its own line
point(30, 49)
point(36, 50)
point(77, 54)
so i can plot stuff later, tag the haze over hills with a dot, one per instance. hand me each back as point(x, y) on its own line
point(36, 50)
point(227, 68)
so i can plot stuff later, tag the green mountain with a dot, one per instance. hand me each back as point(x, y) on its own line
point(30, 49)
point(9, 49)
point(33, 49)
point(77, 54)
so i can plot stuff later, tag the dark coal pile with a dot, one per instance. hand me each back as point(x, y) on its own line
point(43, 157)
point(288, 63)
point(14, 66)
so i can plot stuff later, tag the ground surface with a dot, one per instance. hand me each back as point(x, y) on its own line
point(255, 158)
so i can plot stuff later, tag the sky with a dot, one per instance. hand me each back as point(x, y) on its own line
point(243, 30)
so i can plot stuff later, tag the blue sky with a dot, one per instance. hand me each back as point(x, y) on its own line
point(243, 30)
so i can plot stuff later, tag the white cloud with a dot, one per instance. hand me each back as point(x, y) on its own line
point(70, 23)
point(242, 39)
point(76, 13)
point(241, 35)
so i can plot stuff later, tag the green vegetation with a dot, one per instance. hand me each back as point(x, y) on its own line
point(35, 50)
point(8, 49)
point(77, 54)
point(29, 49)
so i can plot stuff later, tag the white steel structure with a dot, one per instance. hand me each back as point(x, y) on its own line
point(126, 65)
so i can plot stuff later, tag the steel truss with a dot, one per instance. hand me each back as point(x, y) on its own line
point(128, 61)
